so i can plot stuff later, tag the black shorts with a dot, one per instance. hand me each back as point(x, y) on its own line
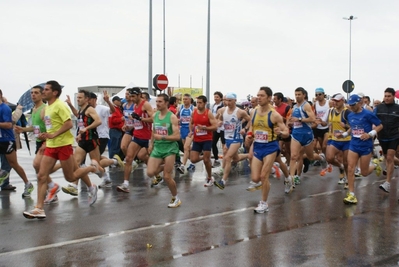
point(38, 146)
point(385, 145)
point(7, 147)
point(103, 144)
point(88, 145)
point(319, 133)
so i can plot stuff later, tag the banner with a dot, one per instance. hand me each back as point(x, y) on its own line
point(194, 92)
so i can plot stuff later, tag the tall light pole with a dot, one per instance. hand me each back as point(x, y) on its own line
point(150, 51)
point(164, 41)
point(208, 53)
point(350, 49)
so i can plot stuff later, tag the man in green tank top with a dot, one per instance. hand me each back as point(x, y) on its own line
point(163, 146)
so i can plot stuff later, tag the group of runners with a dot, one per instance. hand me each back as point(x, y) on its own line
point(333, 132)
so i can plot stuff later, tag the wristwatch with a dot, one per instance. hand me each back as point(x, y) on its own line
point(300, 119)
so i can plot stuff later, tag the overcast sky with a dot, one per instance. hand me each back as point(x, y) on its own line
point(283, 44)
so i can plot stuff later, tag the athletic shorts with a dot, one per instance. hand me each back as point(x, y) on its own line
point(184, 131)
point(361, 151)
point(262, 150)
point(340, 145)
point(7, 147)
point(233, 141)
point(103, 142)
point(59, 153)
point(303, 139)
point(38, 146)
point(141, 142)
point(164, 150)
point(202, 146)
point(319, 133)
point(88, 145)
point(391, 144)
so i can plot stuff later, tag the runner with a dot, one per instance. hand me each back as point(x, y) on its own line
point(218, 134)
point(163, 146)
point(59, 142)
point(184, 114)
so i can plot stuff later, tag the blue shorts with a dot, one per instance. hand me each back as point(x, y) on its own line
point(303, 139)
point(262, 150)
point(233, 141)
point(202, 146)
point(141, 142)
point(329, 142)
point(361, 151)
point(184, 131)
point(340, 145)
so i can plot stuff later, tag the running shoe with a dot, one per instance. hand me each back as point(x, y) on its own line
point(297, 180)
point(70, 189)
point(181, 169)
point(219, 173)
point(209, 182)
point(386, 186)
point(262, 207)
point(191, 168)
point(35, 213)
point(241, 150)
point(276, 171)
point(105, 184)
point(357, 173)
point(53, 201)
point(174, 202)
point(119, 161)
point(323, 161)
point(306, 163)
point(156, 181)
point(350, 199)
point(28, 189)
point(341, 173)
point(342, 180)
point(216, 163)
point(254, 186)
point(123, 188)
point(52, 193)
point(329, 168)
point(135, 165)
point(93, 194)
point(3, 176)
point(323, 172)
point(99, 170)
point(220, 184)
point(346, 186)
point(377, 169)
point(288, 185)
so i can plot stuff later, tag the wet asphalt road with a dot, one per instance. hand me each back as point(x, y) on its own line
point(309, 227)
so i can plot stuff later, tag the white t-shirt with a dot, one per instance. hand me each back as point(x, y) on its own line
point(104, 113)
point(322, 113)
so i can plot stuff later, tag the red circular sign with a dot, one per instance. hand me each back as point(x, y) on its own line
point(161, 81)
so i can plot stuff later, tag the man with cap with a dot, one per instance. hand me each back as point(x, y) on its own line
point(361, 123)
point(388, 137)
point(142, 123)
point(231, 117)
point(338, 121)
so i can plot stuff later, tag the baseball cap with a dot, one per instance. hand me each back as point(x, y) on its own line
point(319, 90)
point(360, 95)
point(338, 97)
point(93, 95)
point(354, 99)
point(231, 96)
point(117, 98)
point(134, 91)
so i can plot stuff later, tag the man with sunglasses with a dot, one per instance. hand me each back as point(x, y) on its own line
point(320, 126)
point(361, 123)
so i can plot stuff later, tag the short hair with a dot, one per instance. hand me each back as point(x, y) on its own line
point(204, 99)
point(147, 95)
point(267, 90)
point(367, 97)
point(300, 89)
point(218, 93)
point(38, 87)
point(86, 93)
point(390, 90)
point(165, 97)
point(279, 96)
point(172, 100)
point(55, 86)
point(187, 95)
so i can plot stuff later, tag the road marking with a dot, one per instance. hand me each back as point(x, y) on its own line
point(325, 193)
point(93, 238)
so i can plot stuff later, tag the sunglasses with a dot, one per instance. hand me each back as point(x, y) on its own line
point(319, 94)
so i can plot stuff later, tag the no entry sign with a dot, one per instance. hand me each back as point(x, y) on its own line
point(160, 82)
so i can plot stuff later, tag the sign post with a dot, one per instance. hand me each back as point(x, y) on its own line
point(160, 82)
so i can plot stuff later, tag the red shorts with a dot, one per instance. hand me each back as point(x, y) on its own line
point(60, 153)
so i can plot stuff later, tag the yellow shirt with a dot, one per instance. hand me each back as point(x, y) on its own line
point(335, 125)
point(263, 128)
point(55, 116)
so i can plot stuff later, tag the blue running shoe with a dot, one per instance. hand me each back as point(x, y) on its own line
point(220, 184)
point(191, 168)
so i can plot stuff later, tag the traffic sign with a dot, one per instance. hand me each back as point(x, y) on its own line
point(348, 86)
point(160, 82)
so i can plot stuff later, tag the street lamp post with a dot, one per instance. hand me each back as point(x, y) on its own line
point(350, 49)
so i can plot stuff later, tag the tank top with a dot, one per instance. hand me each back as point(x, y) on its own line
point(300, 127)
point(201, 120)
point(232, 125)
point(83, 122)
point(142, 130)
point(335, 118)
point(263, 128)
point(127, 110)
point(37, 122)
point(321, 112)
point(163, 127)
point(185, 116)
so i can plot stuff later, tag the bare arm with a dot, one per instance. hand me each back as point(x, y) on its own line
point(213, 122)
point(311, 116)
point(147, 107)
point(73, 109)
point(111, 105)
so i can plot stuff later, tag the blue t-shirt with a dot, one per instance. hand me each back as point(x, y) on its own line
point(6, 116)
point(361, 123)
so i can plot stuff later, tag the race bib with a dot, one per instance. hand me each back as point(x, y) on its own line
point(199, 131)
point(138, 125)
point(185, 119)
point(47, 122)
point(161, 130)
point(81, 124)
point(261, 136)
point(357, 131)
point(298, 124)
point(229, 128)
point(36, 130)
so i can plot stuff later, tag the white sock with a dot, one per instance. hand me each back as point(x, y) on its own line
point(51, 184)
point(126, 182)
